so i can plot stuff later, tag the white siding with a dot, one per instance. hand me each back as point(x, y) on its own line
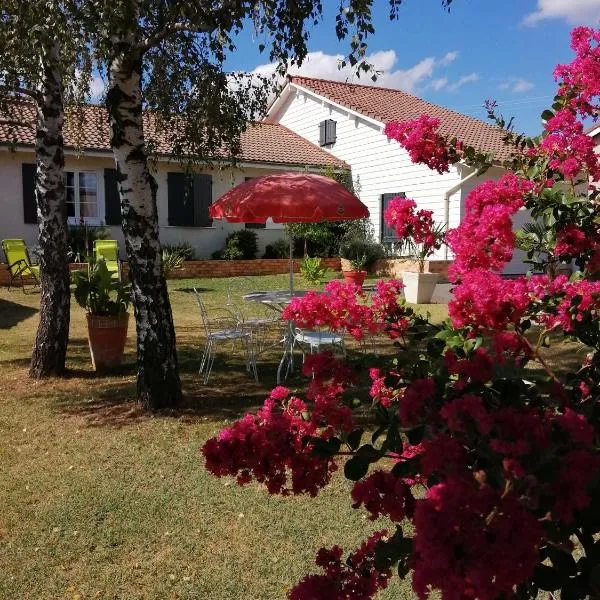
point(378, 165)
point(204, 240)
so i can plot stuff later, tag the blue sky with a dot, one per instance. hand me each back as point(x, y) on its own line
point(483, 49)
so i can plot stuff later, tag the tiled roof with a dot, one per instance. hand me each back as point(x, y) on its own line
point(385, 104)
point(261, 142)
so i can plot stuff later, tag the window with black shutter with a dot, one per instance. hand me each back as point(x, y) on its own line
point(189, 198)
point(254, 225)
point(388, 234)
point(29, 204)
point(327, 132)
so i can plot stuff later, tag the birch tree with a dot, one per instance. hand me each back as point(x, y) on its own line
point(168, 56)
point(44, 62)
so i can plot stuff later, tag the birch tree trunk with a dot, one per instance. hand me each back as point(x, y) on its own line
point(50, 347)
point(158, 378)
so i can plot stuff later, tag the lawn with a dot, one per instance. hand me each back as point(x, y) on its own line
point(99, 500)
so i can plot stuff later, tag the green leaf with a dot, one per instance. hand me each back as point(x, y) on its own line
point(547, 578)
point(354, 438)
point(547, 115)
point(356, 468)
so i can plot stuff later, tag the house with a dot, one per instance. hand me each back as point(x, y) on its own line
point(92, 195)
point(347, 121)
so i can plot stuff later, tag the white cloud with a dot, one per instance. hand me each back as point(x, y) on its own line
point(471, 78)
point(326, 66)
point(574, 12)
point(517, 85)
point(437, 84)
point(96, 88)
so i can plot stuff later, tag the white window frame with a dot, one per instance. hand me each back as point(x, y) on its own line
point(98, 220)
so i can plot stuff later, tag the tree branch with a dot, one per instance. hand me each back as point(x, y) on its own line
point(187, 26)
point(33, 94)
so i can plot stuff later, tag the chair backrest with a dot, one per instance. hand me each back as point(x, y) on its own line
point(108, 249)
point(16, 252)
point(203, 312)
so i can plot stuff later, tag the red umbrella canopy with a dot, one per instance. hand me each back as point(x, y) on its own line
point(288, 198)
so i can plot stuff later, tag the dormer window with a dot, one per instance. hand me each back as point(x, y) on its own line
point(327, 132)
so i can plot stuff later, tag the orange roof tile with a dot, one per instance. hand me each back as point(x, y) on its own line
point(385, 104)
point(261, 142)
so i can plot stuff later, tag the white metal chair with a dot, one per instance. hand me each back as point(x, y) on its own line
point(265, 322)
point(223, 329)
point(315, 340)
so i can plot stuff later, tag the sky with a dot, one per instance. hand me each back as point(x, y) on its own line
point(504, 50)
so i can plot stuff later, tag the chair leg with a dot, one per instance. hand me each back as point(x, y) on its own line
point(211, 362)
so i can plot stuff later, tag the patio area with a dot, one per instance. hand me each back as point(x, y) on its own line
point(103, 500)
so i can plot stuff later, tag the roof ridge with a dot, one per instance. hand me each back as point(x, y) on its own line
point(394, 90)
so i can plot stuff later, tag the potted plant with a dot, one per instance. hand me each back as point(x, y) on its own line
point(359, 254)
point(417, 229)
point(106, 302)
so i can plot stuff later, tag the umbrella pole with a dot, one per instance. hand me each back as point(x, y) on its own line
point(291, 266)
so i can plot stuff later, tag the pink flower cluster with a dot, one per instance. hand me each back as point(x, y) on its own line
point(570, 241)
point(580, 79)
point(471, 542)
point(269, 447)
point(412, 224)
point(382, 493)
point(568, 147)
point(342, 307)
point(338, 308)
point(485, 238)
point(356, 578)
point(421, 139)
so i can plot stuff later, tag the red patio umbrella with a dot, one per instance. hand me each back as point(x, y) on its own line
point(289, 198)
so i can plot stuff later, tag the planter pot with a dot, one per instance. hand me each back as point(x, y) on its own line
point(106, 336)
point(419, 287)
point(355, 277)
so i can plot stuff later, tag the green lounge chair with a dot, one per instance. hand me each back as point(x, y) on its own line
point(109, 251)
point(19, 263)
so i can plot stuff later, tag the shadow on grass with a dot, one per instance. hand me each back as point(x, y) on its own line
point(12, 313)
point(230, 393)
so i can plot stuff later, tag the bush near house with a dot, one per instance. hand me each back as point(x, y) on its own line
point(278, 249)
point(239, 245)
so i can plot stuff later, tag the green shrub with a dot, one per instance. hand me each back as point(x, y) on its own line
point(311, 270)
point(183, 249)
point(239, 245)
point(172, 260)
point(361, 253)
point(278, 249)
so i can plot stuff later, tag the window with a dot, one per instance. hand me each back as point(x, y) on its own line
point(81, 189)
point(189, 198)
point(388, 234)
point(327, 132)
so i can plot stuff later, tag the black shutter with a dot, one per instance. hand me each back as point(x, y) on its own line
point(29, 203)
point(180, 194)
point(112, 200)
point(202, 200)
point(322, 133)
point(388, 234)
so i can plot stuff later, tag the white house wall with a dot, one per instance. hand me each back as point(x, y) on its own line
point(378, 166)
point(205, 240)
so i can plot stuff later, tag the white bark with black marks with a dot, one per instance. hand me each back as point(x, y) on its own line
point(50, 347)
point(158, 379)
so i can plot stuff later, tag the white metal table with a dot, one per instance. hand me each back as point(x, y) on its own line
point(278, 300)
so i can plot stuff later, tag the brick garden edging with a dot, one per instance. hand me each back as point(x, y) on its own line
point(193, 269)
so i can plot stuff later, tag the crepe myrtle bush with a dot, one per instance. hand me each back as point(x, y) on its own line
point(492, 463)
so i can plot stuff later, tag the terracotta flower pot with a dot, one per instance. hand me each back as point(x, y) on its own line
point(356, 277)
point(419, 287)
point(106, 336)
